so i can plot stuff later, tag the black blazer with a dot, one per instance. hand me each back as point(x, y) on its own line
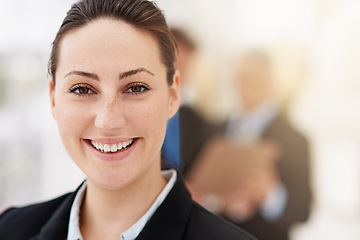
point(195, 131)
point(177, 218)
point(294, 170)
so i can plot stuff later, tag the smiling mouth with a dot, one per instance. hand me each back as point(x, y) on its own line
point(112, 148)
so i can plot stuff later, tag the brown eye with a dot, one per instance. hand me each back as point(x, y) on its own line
point(137, 88)
point(82, 90)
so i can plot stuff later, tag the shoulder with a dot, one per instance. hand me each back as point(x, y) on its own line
point(206, 225)
point(192, 121)
point(186, 113)
point(18, 215)
point(28, 221)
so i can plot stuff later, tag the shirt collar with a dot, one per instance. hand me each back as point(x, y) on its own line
point(258, 118)
point(74, 228)
point(130, 234)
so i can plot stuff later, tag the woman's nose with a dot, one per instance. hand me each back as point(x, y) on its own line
point(110, 114)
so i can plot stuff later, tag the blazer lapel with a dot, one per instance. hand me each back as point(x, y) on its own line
point(170, 219)
point(57, 226)
point(58, 231)
point(168, 222)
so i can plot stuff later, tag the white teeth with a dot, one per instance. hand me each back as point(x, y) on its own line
point(106, 148)
point(113, 147)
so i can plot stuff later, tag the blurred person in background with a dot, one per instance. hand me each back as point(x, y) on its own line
point(269, 189)
point(188, 130)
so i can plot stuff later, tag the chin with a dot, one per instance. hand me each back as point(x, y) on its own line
point(115, 178)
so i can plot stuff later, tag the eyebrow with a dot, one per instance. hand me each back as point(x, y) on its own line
point(84, 74)
point(122, 75)
point(133, 72)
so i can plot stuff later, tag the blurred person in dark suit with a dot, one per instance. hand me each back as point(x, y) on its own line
point(273, 194)
point(188, 130)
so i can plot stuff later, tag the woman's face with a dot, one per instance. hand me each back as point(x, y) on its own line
point(111, 101)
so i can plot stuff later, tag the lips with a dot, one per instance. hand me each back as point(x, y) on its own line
point(113, 148)
point(109, 149)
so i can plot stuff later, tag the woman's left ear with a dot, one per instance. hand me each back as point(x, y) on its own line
point(175, 99)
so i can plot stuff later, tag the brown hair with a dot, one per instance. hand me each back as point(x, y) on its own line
point(141, 14)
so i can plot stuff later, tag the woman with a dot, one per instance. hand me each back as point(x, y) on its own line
point(112, 88)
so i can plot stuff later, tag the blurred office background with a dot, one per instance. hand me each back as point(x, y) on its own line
point(315, 46)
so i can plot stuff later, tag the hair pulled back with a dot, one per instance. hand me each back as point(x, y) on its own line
point(142, 14)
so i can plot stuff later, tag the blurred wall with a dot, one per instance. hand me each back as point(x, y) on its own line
point(33, 163)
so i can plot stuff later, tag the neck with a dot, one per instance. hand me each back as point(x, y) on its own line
point(106, 214)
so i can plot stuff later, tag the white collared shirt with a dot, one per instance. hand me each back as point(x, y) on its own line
point(130, 234)
point(247, 127)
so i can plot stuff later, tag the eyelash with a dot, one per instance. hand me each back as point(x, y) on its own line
point(143, 88)
point(78, 87)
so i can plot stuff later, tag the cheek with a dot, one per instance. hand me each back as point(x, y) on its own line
point(151, 117)
point(71, 117)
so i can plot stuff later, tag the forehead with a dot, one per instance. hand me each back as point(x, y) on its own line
point(107, 43)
